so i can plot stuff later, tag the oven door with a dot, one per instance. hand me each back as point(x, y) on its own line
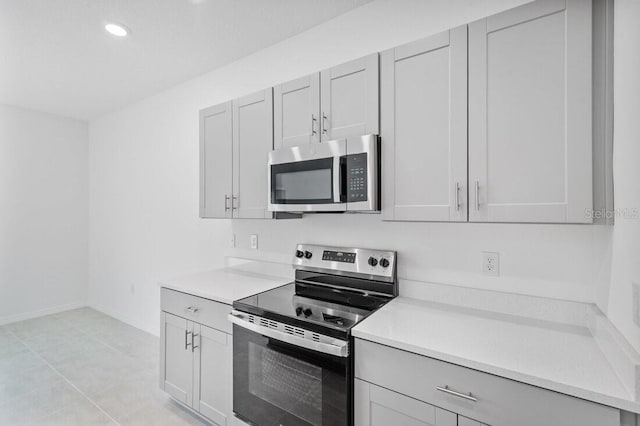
point(308, 178)
point(279, 383)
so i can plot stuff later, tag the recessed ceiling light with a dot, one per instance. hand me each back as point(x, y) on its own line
point(117, 30)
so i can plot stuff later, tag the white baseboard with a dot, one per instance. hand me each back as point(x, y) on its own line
point(8, 319)
point(126, 319)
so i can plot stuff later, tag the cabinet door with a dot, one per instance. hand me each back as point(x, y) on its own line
point(464, 421)
point(297, 111)
point(377, 406)
point(176, 363)
point(350, 99)
point(216, 161)
point(252, 141)
point(424, 129)
point(212, 372)
point(530, 137)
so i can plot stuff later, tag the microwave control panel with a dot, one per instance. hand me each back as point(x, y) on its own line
point(357, 177)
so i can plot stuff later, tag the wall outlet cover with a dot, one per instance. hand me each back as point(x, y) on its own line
point(490, 263)
point(254, 241)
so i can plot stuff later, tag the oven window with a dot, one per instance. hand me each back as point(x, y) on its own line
point(276, 383)
point(303, 182)
point(290, 384)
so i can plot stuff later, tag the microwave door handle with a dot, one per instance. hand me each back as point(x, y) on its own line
point(337, 347)
point(337, 180)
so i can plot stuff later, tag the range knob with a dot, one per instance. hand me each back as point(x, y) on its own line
point(308, 254)
point(307, 312)
point(298, 311)
point(373, 261)
point(299, 253)
point(384, 262)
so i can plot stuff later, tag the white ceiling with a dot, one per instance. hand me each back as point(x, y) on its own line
point(56, 57)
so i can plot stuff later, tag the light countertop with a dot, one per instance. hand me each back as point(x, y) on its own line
point(226, 284)
point(560, 357)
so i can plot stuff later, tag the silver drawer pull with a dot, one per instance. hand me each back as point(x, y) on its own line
point(193, 343)
point(191, 309)
point(446, 389)
point(186, 339)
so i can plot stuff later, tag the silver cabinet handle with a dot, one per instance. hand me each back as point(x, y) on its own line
point(191, 309)
point(186, 339)
point(324, 123)
point(226, 202)
point(446, 389)
point(477, 195)
point(193, 345)
point(313, 124)
point(233, 203)
point(457, 196)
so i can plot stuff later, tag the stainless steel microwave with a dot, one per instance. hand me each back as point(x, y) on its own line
point(342, 175)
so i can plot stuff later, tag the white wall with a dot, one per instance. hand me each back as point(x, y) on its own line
point(144, 184)
point(43, 213)
point(626, 234)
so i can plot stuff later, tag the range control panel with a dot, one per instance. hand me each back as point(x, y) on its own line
point(339, 256)
point(356, 262)
point(357, 184)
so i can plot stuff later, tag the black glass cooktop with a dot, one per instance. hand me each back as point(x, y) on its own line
point(321, 309)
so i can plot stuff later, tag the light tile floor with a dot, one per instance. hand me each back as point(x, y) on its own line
point(82, 367)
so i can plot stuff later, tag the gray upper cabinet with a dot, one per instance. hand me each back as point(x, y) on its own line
point(350, 99)
point(297, 111)
point(530, 100)
point(252, 141)
point(235, 139)
point(216, 161)
point(424, 129)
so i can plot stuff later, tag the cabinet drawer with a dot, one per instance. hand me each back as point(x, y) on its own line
point(500, 401)
point(203, 311)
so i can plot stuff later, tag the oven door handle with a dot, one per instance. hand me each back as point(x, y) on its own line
point(337, 347)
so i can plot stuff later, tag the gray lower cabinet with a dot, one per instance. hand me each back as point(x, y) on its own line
point(398, 387)
point(196, 354)
point(235, 139)
point(465, 421)
point(177, 377)
point(212, 374)
point(377, 406)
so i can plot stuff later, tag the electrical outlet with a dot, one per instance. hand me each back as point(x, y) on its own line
point(232, 241)
point(491, 263)
point(635, 300)
point(254, 241)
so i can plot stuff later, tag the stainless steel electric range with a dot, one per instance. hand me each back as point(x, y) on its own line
point(292, 346)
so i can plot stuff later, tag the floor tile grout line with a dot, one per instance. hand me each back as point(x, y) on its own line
point(27, 340)
point(68, 381)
